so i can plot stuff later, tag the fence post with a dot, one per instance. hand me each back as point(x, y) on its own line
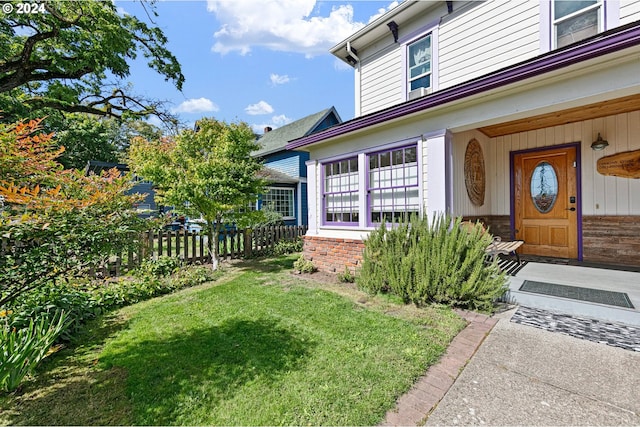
point(247, 242)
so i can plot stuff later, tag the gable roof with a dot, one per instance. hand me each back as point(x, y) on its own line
point(277, 139)
point(608, 42)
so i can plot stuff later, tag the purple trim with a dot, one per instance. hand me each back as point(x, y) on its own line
point(382, 189)
point(512, 221)
point(422, 31)
point(599, 45)
point(323, 211)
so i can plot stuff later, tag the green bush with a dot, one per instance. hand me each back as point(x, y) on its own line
point(23, 349)
point(303, 265)
point(286, 247)
point(424, 263)
point(346, 276)
point(162, 266)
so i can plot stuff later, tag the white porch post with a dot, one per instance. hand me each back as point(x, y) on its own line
point(438, 172)
point(313, 192)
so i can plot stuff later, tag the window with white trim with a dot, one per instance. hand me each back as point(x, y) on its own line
point(393, 187)
point(575, 20)
point(279, 200)
point(340, 192)
point(419, 64)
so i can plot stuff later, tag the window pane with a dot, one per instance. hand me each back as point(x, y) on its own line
point(544, 187)
point(410, 155)
point(577, 28)
point(385, 159)
point(353, 165)
point(373, 161)
point(563, 7)
point(421, 82)
point(420, 52)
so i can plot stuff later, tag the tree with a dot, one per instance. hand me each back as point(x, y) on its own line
point(208, 172)
point(56, 221)
point(60, 58)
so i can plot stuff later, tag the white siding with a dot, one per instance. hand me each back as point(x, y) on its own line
point(487, 37)
point(381, 80)
point(629, 11)
point(601, 195)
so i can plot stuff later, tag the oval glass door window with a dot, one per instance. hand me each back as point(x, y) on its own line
point(544, 187)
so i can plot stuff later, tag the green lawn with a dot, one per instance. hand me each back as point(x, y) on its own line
point(258, 347)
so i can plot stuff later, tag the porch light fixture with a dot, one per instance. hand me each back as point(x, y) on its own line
point(599, 143)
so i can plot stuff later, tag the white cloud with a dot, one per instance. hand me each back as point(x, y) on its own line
point(277, 79)
point(259, 108)
point(383, 10)
point(340, 65)
point(281, 25)
point(281, 120)
point(199, 105)
point(276, 122)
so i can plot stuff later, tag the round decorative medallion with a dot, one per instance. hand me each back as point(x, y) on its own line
point(474, 176)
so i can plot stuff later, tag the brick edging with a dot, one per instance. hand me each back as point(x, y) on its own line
point(414, 407)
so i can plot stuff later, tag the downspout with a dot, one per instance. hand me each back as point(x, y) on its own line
point(352, 53)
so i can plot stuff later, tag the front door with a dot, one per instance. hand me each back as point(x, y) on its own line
point(545, 202)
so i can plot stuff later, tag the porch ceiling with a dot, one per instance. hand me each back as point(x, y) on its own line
point(571, 115)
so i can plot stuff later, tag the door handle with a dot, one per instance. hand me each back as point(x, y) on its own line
point(570, 209)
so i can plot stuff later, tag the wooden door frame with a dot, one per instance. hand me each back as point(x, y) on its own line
point(512, 201)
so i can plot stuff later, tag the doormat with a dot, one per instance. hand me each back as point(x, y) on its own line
point(599, 296)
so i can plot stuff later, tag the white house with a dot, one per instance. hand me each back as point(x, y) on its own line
point(524, 114)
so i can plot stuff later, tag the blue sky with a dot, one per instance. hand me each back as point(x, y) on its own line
point(265, 62)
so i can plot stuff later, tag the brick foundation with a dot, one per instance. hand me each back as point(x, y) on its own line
point(332, 255)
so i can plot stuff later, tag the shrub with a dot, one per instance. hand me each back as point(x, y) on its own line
point(303, 265)
point(23, 349)
point(439, 262)
point(346, 276)
point(160, 267)
point(286, 247)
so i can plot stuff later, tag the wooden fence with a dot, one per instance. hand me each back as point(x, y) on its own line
point(191, 247)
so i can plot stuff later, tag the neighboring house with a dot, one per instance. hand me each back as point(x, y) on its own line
point(147, 206)
point(285, 169)
point(492, 110)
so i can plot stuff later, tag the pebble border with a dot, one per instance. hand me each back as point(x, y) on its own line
point(600, 331)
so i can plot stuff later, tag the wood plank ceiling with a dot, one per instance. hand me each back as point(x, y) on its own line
point(592, 111)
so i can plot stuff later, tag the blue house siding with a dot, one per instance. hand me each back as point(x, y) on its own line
point(287, 162)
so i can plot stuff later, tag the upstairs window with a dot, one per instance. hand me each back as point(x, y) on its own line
point(419, 64)
point(575, 20)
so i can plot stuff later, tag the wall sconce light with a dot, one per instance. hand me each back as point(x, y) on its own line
point(599, 144)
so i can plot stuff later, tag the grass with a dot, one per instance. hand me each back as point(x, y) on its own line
point(260, 347)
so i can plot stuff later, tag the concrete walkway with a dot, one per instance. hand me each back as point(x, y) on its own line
point(523, 375)
point(499, 372)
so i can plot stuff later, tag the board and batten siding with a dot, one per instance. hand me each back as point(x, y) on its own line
point(490, 36)
point(381, 80)
point(629, 11)
point(601, 195)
